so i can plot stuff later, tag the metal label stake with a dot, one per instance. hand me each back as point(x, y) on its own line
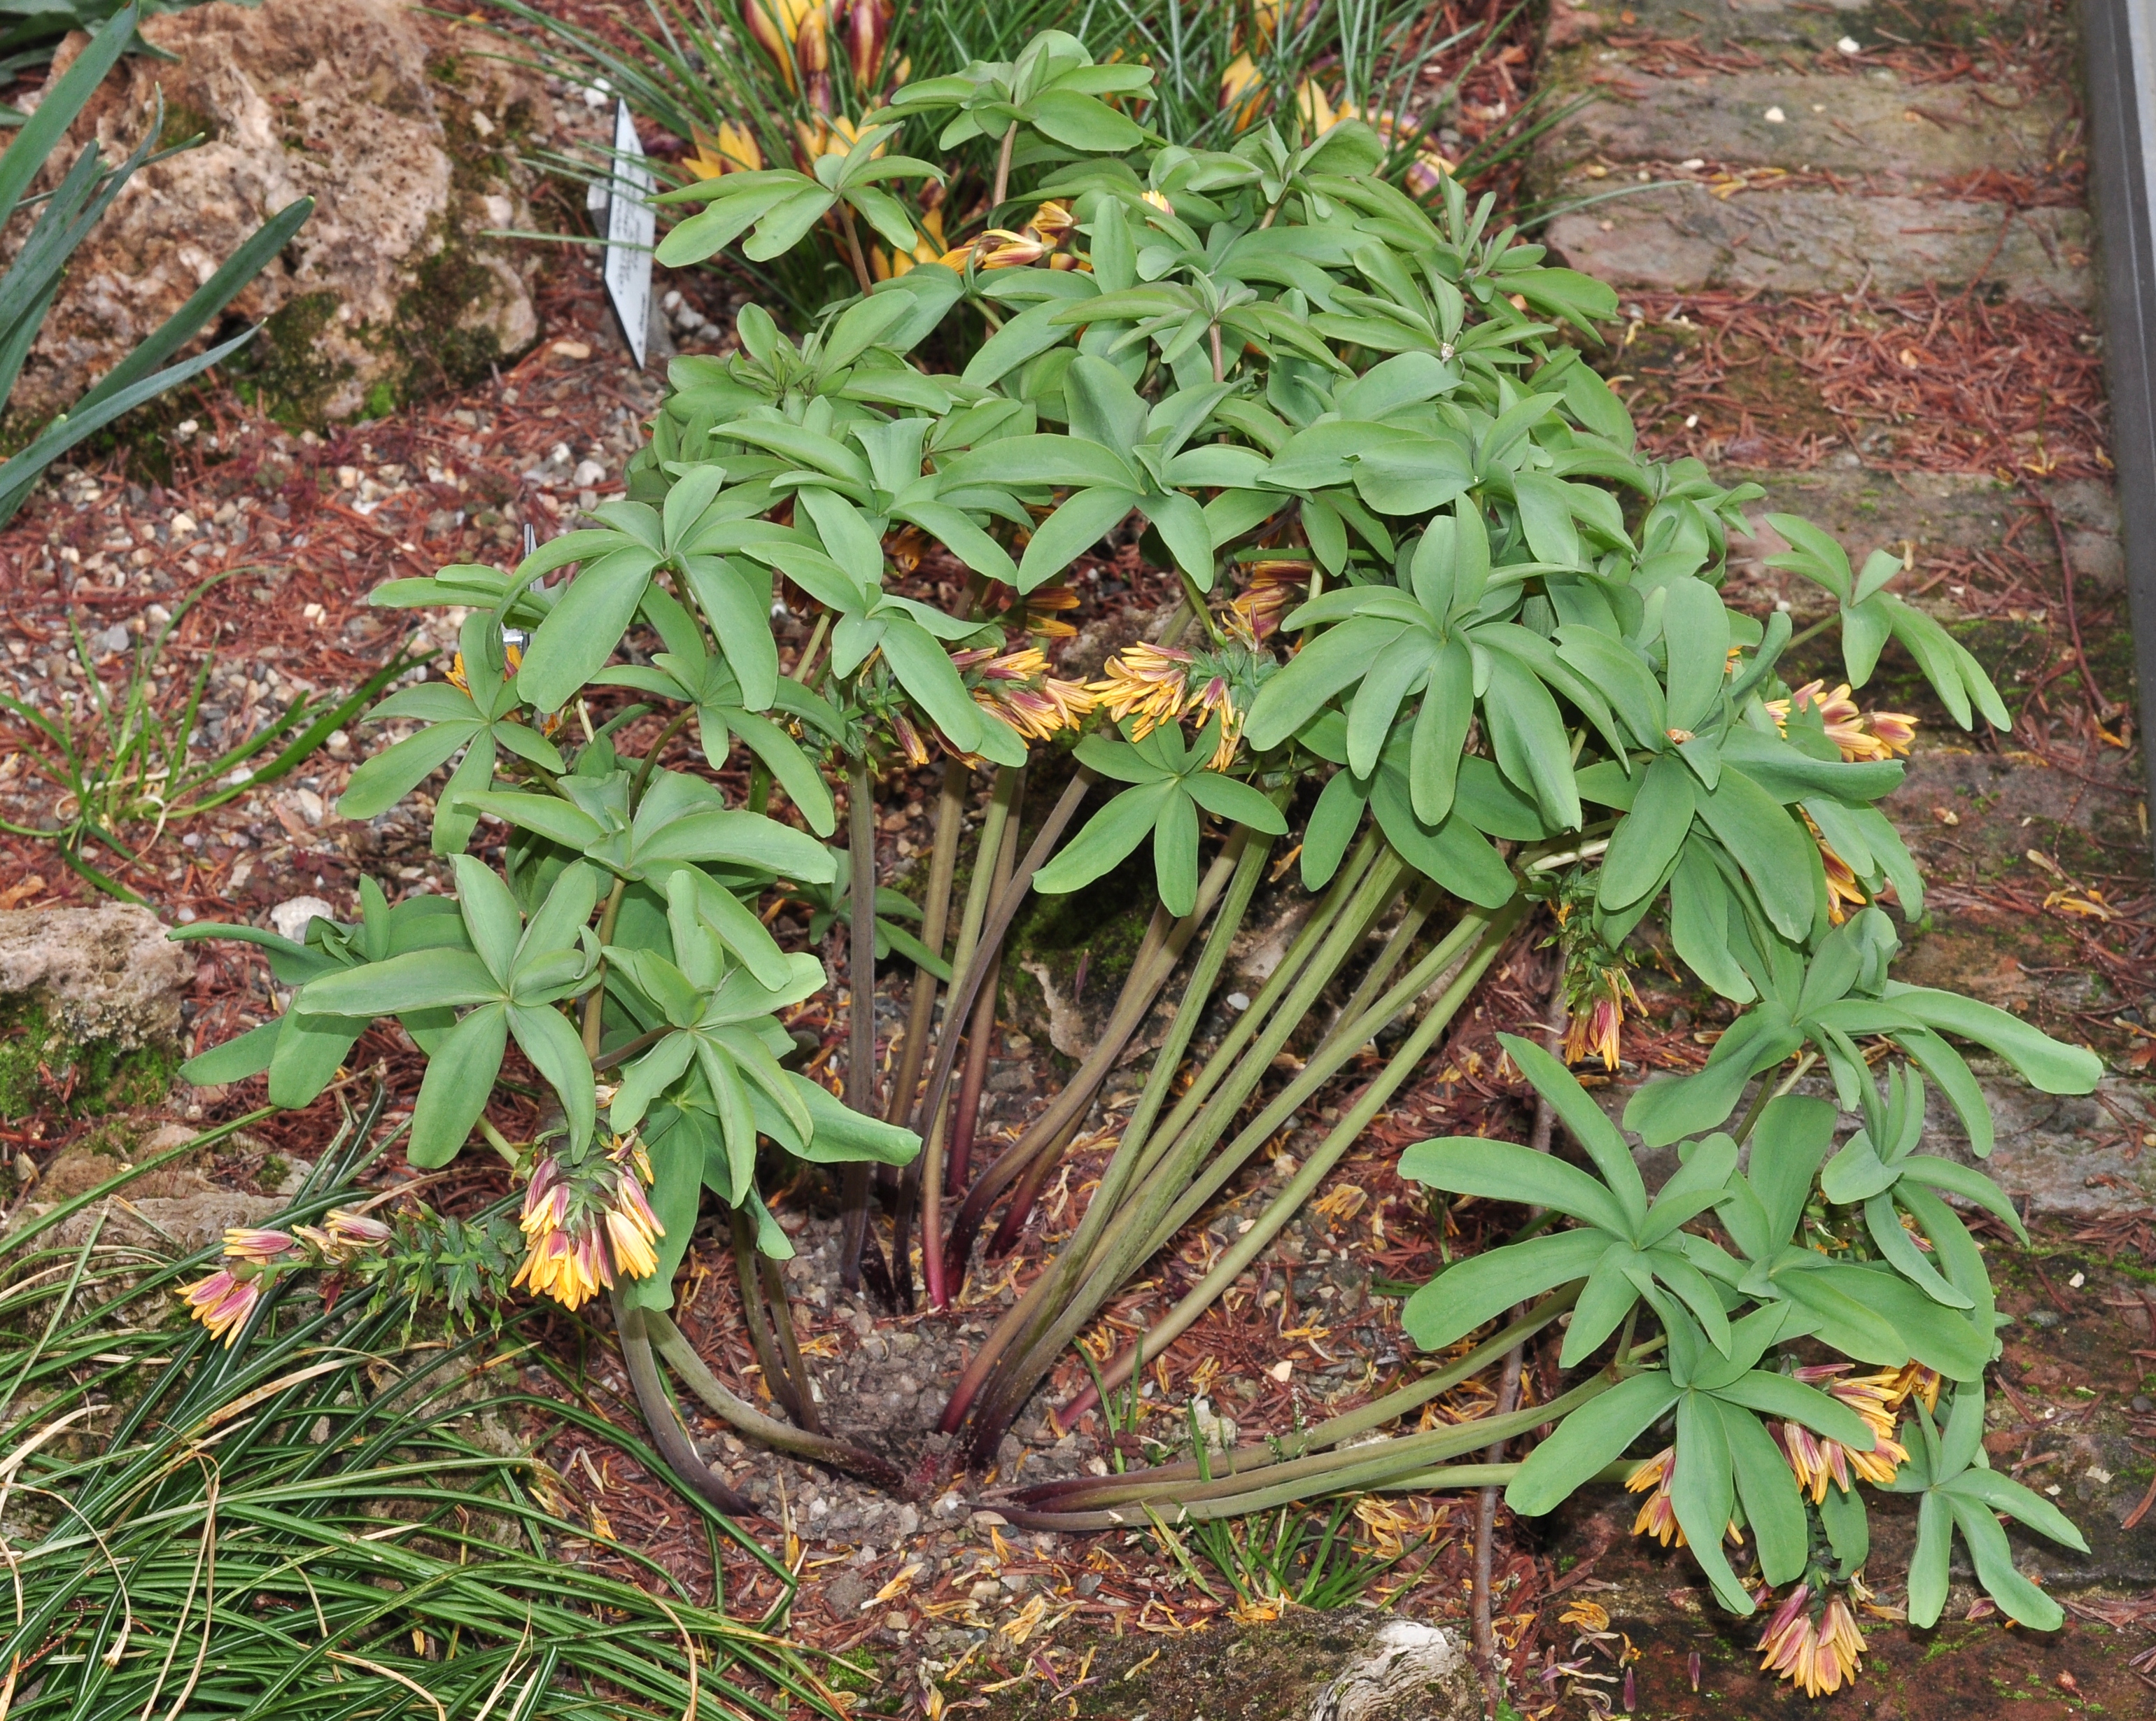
point(632, 225)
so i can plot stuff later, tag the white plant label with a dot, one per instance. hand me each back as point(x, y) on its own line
point(632, 225)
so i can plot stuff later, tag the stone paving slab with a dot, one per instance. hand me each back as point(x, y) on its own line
point(1870, 124)
point(1677, 239)
point(1934, 512)
point(1814, 25)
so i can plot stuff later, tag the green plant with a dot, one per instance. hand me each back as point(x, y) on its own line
point(39, 26)
point(310, 1521)
point(1010, 86)
point(123, 761)
point(129, 758)
point(1439, 620)
point(65, 216)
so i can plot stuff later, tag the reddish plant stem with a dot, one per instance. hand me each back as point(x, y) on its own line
point(942, 866)
point(968, 990)
point(860, 1050)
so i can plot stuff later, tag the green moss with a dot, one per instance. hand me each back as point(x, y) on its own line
point(1101, 926)
point(439, 351)
point(183, 123)
point(37, 1060)
point(282, 368)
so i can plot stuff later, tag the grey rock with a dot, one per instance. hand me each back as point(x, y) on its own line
point(178, 1225)
point(105, 974)
point(1850, 125)
point(1681, 237)
point(1734, 23)
point(1934, 512)
point(327, 99)
point(848, 1593)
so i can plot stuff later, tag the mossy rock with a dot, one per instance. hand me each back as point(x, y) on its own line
point(89, 1014)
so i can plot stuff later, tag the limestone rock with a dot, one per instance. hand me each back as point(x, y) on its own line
point(409, 149)
point(105, 974)
point(1408, 1668)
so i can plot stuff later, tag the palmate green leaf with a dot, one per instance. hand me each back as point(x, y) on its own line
point(585, 625)
point(1646, 842)
point(1108, 838)
point(1595, 1434)
point(1589, 1125)
point(1481, 1287)
point(459, 1077)
point(1504, 1171)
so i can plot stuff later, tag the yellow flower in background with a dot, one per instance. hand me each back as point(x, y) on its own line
point(1044, 609)
point(776, 25)
point(733, 151)
point(1236, 77)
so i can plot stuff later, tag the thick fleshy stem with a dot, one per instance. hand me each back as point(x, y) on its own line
point(1004, 798)
point(1114, 1501)
point(921, 1019)
point(860, 1049)
point(645, 1330)
point(792, 1399)
point(1003, 170)
point(1047, 1292)
point(974, 1079)
point(789, 1345)
point(967, 991)
point(1306, 967)
point(1063, 1111)
point(1492, 931)
point(594, 1023)
point(1158, 953)
point(664, 1422)
point(1350, 1425)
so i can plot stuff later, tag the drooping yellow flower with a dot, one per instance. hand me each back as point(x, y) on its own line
point(1819, 1658)
point(573, 1264)
point(1815, 1460)
point(1045, 608)
point(247, 1243)
point(1881, 735)
point(1596, 1019)
point(1658, 1513)
point(1016, 689)
point(1276, 584)
point(221, 1302)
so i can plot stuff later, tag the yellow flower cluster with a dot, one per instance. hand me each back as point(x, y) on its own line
point(572, 1262)
point(1877, 735)
point(1877, 1399)
point(1242, 88)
